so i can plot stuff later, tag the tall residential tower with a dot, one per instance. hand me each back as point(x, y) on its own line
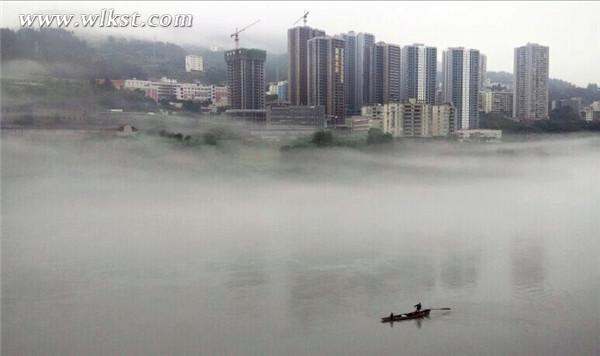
point(246, 78)
point(530, 86)
point(384, 73)
point(461, 85)
point(482, 70)
point(364, 43)
point(326, 76)
point(297, 62)
point(350, 89)
point(419, 71)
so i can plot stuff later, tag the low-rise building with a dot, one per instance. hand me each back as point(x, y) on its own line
point(415, 119)
point(374, 112)
point(497, 102)
point(163, 89)
point(574, 103)
point(412, 119)
point(170, 89)
point(194, 92)
point(166, 88)
point(272, 89)
point(479, 135)
point(137, 84)
point(221, 96)
point(198, 92)
point(194, 63)
point(378, 118)
point(391, 119)
point(256, 115)
point(358, 124)
point(443, 122)
point(284, 114)
point(592, 112)
point(282, 90)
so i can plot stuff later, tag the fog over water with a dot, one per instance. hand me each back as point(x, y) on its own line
point(144, 247)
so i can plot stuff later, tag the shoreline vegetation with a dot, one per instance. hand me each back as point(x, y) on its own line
point(563, 120)
point(212, 137)
point(328, 138)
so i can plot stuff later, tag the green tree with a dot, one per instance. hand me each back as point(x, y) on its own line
point(377, 136)
point(192, 106)
point(211, 138)
point(322, 138)
point(564, 114)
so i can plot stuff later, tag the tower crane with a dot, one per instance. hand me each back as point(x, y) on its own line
point(236, 34)
point(303, 17)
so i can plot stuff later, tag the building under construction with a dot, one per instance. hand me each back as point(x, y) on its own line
point(246, 78)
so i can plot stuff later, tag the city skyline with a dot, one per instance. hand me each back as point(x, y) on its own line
point(505, 27)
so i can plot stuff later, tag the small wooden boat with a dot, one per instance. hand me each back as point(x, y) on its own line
point(414, 315)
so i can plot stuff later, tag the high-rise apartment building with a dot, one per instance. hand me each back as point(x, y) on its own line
point(461, 85)
point(384, 73)
point(530, 83)
point(482, 70)
point(375, 85)
point(326, 76)
point(350, 89)
point(364, 43)
point(419, 71)
point(246, 78)
point(297, 62)
point(358, 53)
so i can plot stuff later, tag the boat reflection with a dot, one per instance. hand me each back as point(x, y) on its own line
point(417, 322)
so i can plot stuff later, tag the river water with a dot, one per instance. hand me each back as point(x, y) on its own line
point(141, 247)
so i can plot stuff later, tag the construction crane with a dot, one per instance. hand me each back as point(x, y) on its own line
point(236, 34)
point(303, 17)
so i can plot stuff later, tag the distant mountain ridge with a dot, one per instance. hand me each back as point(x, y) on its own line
point(119, 58)
point(501, 77)
point(557, 88)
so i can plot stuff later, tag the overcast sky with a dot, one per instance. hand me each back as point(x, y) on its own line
point(571, 29)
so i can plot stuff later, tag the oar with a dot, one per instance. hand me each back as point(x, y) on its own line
point(440, 308)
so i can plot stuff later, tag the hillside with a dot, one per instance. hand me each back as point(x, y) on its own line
point(557, 88)
point(64, 55)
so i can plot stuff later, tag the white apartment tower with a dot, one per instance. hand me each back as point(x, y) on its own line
point(461, 85)
point(530, 89)
point(418, 73)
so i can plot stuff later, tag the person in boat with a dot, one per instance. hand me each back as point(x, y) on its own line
point(418, 307)
point(392, 316)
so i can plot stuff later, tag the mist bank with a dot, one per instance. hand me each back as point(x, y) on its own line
point(138, 244)
point(210, 150)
